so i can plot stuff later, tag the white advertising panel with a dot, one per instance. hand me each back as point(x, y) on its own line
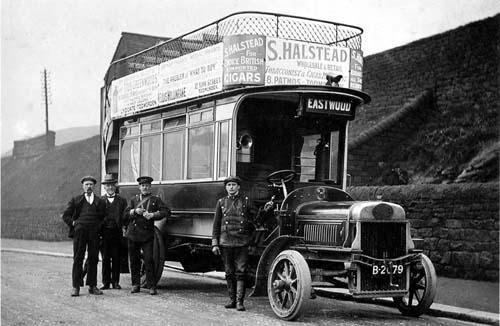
point(300, 63)
point(356, 79)
point(189, 76)
point(192, 75)
point(133, 93)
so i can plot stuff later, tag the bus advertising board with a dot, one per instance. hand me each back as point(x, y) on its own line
point(192, 75)
point(240, 60)
point(135, 92)
point(300, 63)
point(244, 60)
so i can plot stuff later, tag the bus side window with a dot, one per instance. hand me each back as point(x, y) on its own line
point(200, 150)
point(129, 160)
point(223, 149)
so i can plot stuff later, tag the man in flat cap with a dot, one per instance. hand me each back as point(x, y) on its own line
point(143, 209)
point(232, 231)
point(85, 214)
point(111, 233)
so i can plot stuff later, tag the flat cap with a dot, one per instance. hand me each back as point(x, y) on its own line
point(232, 179)
point(108, 179)
point(144, 179)
point(88, 178)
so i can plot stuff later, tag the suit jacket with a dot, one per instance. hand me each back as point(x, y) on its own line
point(74, 207)
point(139, 228)
point(122, 204)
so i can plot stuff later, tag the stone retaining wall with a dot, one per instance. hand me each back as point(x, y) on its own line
point(458, 224)
point(34, 223)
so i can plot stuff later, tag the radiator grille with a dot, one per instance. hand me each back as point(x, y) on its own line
point(325, 234)
point(383, 240)
point(386, 241)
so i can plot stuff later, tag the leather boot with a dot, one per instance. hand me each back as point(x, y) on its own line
point(94, 290)
point(231, 289)
point(75, 292)
point(240, 295)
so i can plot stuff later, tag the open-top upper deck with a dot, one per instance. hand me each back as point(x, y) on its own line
point(240, 50)
point(241, 23)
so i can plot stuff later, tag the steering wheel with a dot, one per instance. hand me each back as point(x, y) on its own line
point(281, 176)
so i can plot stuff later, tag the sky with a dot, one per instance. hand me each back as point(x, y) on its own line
point(75, 40)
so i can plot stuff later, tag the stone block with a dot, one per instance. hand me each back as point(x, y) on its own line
point(491, 275)
point(443, 245)
point(445, 258)
point(456, 245)
point(430, 243)
point(455, 234)
point(423, 233)
point(454, 224)
point(441, 233)
point(464, 259)
point(475, 235)
point(486, 259)
point(493, 235)
point(435, 256)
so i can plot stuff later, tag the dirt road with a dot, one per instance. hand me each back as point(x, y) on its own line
point(36, 291)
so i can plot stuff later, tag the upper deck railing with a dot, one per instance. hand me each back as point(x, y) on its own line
point(253, 23)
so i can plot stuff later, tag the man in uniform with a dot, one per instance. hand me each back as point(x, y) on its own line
point(85, 213)
point(140, 215)
point(232, 231)
point(111, 234)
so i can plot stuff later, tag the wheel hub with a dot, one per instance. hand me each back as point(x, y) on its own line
point(280, 285)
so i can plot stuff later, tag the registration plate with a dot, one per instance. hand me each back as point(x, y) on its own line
point(387, 269)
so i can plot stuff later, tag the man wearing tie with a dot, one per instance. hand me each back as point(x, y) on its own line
point(85, 214)
point(111, 234)
point(140, 215)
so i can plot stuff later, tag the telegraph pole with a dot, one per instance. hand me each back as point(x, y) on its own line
point(46, 100)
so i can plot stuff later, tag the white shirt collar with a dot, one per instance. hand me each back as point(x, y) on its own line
point(91, 197)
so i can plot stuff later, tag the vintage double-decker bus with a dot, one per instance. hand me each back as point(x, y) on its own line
point(268, 98)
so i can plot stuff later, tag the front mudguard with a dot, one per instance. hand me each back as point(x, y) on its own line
point(272, 250)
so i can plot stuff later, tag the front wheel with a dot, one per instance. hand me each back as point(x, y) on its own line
point(289, 285)
point(158, 258)
point(423, 283)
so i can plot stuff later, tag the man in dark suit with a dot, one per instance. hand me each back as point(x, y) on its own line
point(140, 214)
point(85, 213)
point(111, 234)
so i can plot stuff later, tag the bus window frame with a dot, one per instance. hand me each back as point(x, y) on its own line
point(217, 171)
point(139, 123)
point(200, 124)
point(213, 122)
point(169, 130)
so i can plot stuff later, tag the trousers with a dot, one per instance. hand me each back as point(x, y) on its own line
point(86, 238)
point(111, 255)
point(134, 253)
point(235, 262)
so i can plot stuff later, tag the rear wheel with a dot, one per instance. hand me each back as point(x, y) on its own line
point(289, 285)
point(423, 283)
point(158, 259)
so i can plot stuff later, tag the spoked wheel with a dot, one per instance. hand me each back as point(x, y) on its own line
point(289, 285)
point(158, 259)
point(423, 282)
